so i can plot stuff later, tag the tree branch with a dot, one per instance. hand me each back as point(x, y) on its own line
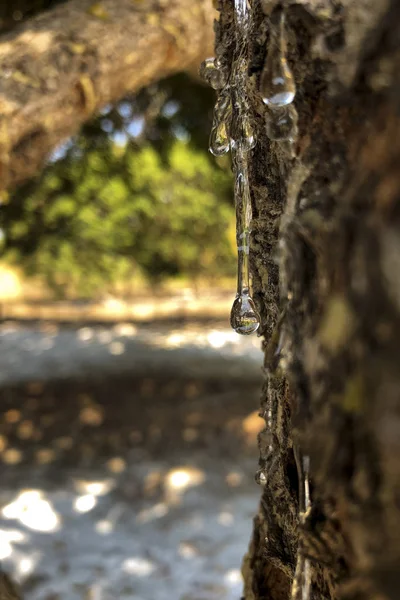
point(59, 68)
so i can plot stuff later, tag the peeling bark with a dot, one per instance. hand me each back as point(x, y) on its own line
point(59, 68)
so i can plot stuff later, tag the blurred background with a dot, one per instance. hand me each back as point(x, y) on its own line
point(128, 407)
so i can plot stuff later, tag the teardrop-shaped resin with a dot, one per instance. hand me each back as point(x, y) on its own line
point(244, 316)
point(277, 85)
point(223, 105)
point(242, 134)
point(220, 132)
point(281, 124)
point(219, 139)
point(212, 72)
point(260, 477)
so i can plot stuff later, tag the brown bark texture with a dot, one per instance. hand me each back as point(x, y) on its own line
point(58, 68)
point(326, 268)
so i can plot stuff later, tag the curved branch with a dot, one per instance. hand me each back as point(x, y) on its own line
point(59, 68)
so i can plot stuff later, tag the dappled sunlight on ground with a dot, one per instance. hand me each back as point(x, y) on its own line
point(192, 537)
point(48, 351)
point(138, 482)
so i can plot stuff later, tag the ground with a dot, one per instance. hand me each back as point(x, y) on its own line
point(128, 460)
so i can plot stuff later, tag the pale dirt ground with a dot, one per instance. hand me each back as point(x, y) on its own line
point(127, 460)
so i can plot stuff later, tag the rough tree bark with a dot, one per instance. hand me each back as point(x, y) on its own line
point(326, 258)
point(325, 254)
point(58, 68)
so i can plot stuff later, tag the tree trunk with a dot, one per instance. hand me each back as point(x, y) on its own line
point(59, 68)
point(326, 267)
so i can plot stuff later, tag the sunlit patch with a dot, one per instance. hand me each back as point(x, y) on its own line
point(114, 304)
point(85, 334)
point(234, 479)
point(3, 443)
point(154, 512)
point(175, 340)
point(45, 456)
point(225, 518)
point(190, 434)
point(104, 336)
point(12, 456)
point(140, 567)
point(10, 284)
point(46, 343)
point(233, 577)
point(191, 390)
point(5, 548)
point(12, 416)
point(94, 488)
point(177, 481)
point(26, 565)
point(218, 339)
point(7, 537)
point(33, 511)
point(194, 418)
point(252, 425)
point(116, 348)
point(84, 504)
point(180, 479)
point(116, 464)
point(91, 415)
point(152, 482)
point(25, 430)
point(125, 330)
point(64, 443)
point(104, 527)
point(187, 550)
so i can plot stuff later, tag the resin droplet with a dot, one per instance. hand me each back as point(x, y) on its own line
point(261, 477)
point(223, 106)
point(220, 132)
point(212, 72)
point(277, 85)
point(242, 133)
point(244, 316)
point(281, 124)
point(219, 140)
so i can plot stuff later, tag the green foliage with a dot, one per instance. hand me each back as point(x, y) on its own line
point(106, 214)
point(135, 194)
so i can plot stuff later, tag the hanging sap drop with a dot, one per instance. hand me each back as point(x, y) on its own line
point(242, 134)
point(220, 132)
point(281, 124)
point(219, 139)
point(261, 477)
point(277, 85)
point(244, 316)
point(223, 106)
point(212, 72)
